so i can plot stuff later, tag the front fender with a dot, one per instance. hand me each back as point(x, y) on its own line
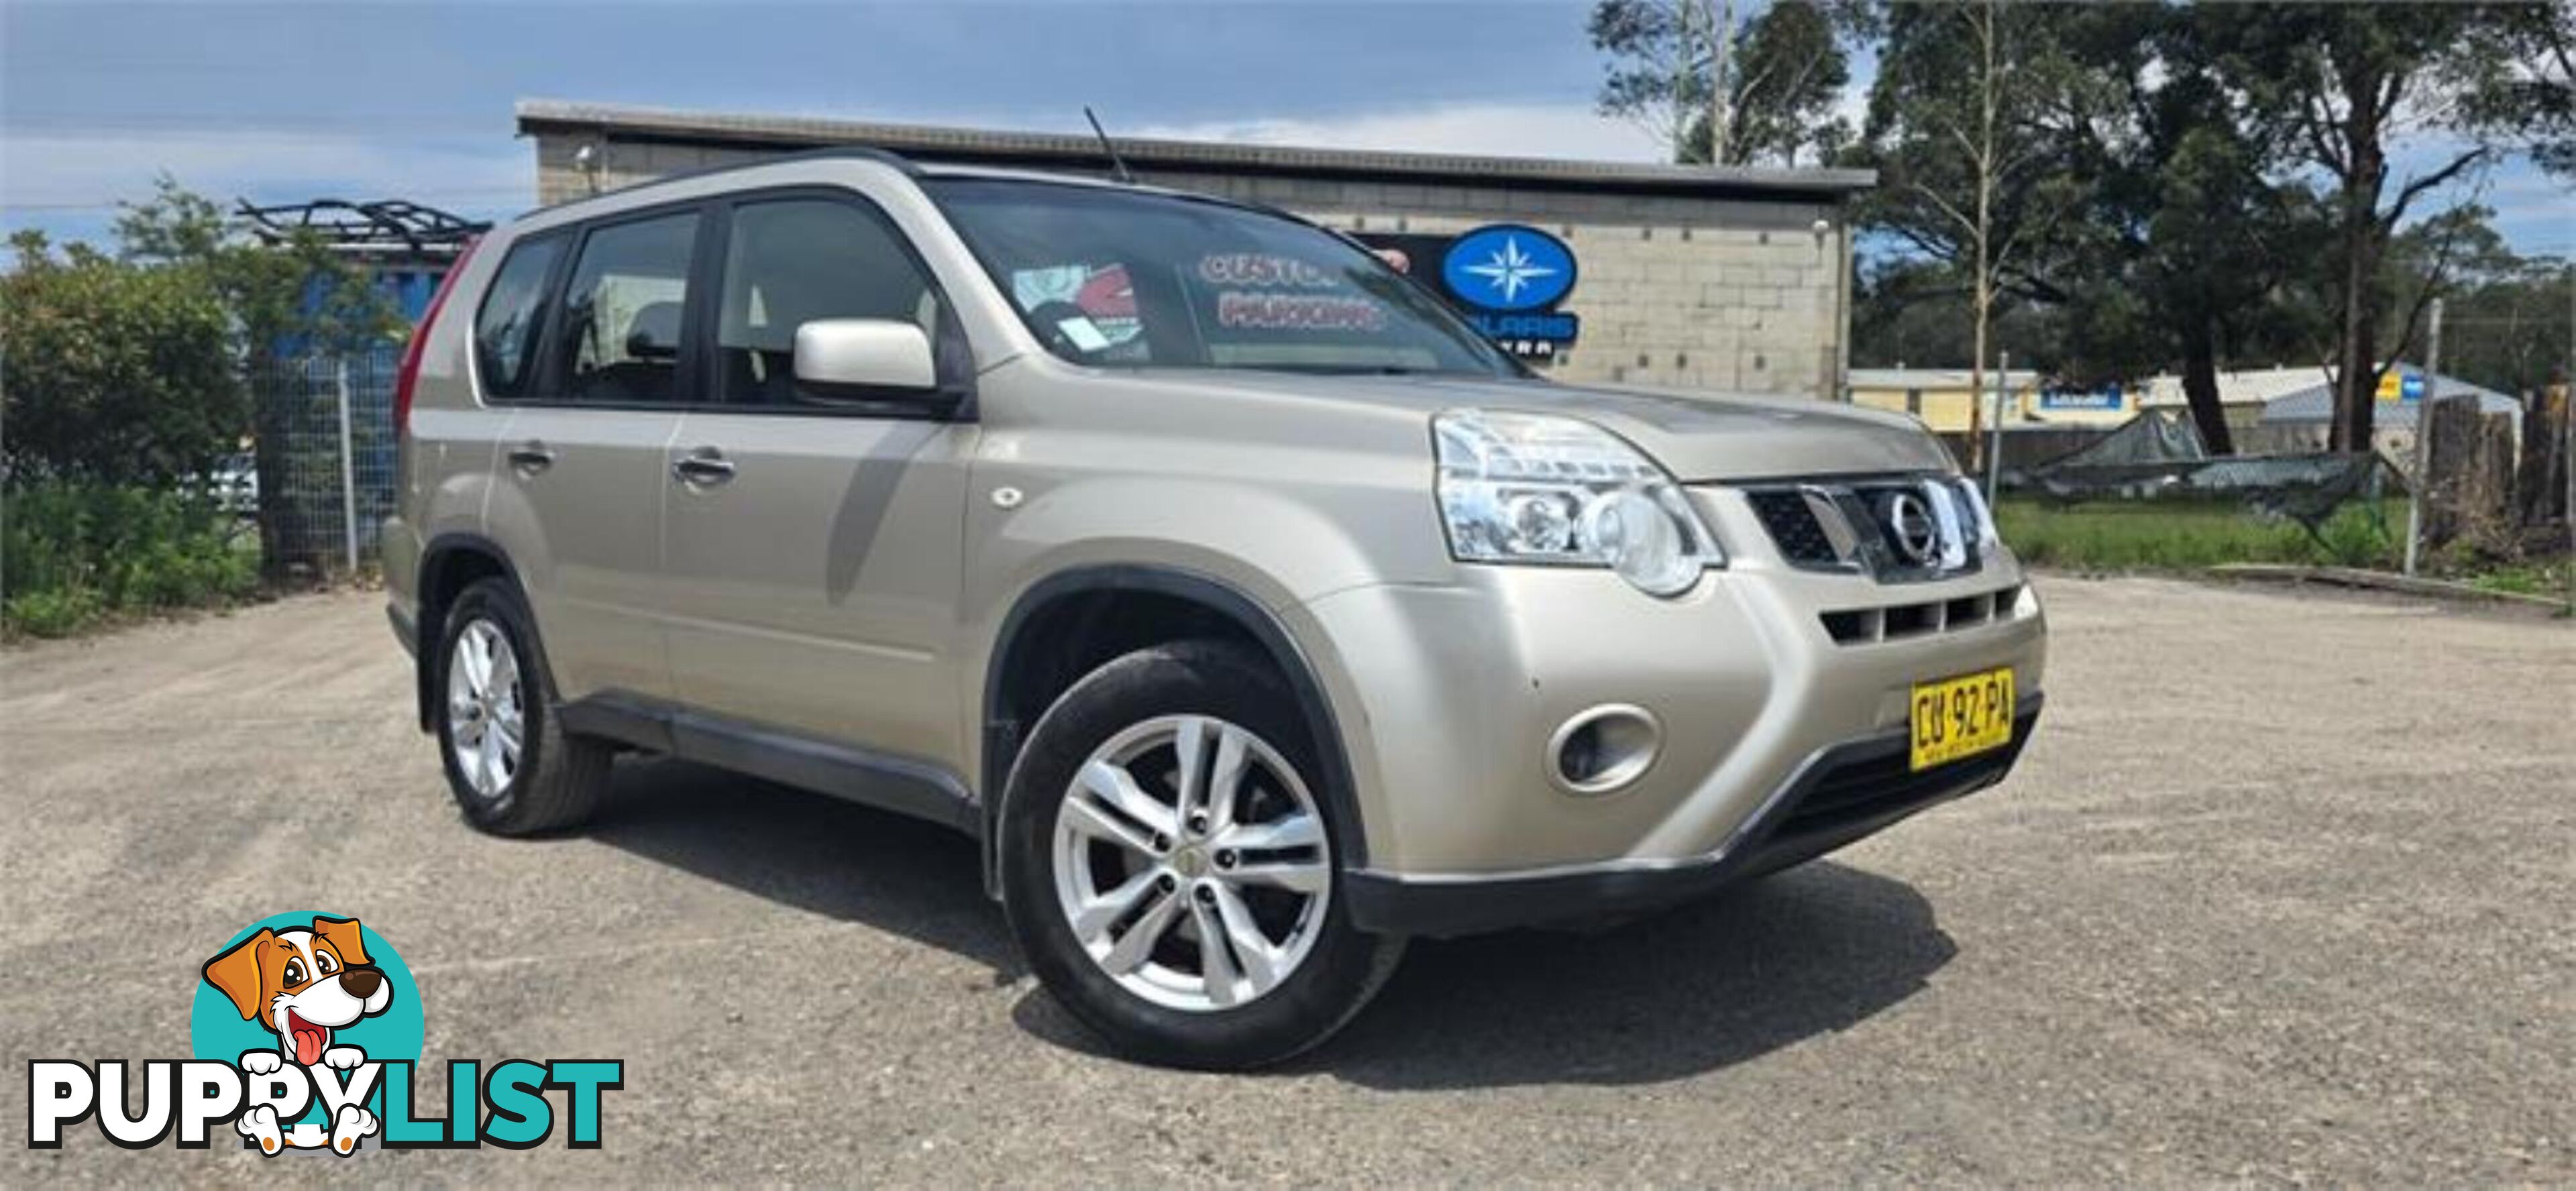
point(1270, 550)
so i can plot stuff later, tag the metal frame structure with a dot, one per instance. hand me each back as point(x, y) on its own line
point(385, 226)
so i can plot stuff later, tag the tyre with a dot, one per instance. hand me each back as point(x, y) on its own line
point(511, 766)
point(1168, 864)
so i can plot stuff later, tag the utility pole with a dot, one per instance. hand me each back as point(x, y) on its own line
point(2423, 435)
point(348, 468)
point(1995, 453)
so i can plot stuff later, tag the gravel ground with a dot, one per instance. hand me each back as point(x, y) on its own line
point(2282, 891)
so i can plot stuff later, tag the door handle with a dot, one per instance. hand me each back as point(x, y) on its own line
point(532, 456)
point(705, 467)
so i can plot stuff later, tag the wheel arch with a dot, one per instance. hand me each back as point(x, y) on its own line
point(448, 564)
point(1014, 684)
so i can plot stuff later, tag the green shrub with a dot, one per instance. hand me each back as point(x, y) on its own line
point(51, 613)
point(2360, 536)
point(119, 373)
point(2186, 535)
point(72, 554)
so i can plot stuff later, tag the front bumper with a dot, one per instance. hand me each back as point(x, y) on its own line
point(1449, 698)
point(1842, 794)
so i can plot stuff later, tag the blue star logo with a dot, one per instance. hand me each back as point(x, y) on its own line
point(1510, 268)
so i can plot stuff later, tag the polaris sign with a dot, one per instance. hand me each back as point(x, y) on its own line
point(1508, 267)
point(1506, 278)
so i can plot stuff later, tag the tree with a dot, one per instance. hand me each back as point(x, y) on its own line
point(2347, 87)
point(1733, 95)
point(2226, 264)
point(2539, 100)
point(1790, 71)
point(1957, 131)
point(2505, 321)
point(282, 300)
point(285, 298)
point(2148, 173)
point(2189, 254)
point(117, 373)
point(1914, 311)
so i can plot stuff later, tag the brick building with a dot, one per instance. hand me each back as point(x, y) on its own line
point(1729, 279)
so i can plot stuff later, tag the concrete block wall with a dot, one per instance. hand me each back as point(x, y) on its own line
point(1727, 295)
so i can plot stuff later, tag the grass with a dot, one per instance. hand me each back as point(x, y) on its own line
point(2194, 536)
point(2191, 536)
point(2525, 578)
point(78, 557)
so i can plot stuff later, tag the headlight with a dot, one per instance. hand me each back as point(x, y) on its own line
point(1534, 488)
point(1981, 519)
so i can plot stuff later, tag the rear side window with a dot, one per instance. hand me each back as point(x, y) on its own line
point(620, 336)
point(505, 338)
point(792, 261)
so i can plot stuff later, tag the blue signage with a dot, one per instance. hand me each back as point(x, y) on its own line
point(1530, 336)
point(1506, 279)
point(1508, 267)
point(2059, 397)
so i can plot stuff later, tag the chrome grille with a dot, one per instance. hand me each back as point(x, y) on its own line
point(1896, 529)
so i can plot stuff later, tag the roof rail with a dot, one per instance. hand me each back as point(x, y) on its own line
point(895, 161)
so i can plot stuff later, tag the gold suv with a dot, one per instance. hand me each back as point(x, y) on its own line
point(1252, 610)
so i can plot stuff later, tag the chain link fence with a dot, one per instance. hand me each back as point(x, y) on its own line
point(324, 460)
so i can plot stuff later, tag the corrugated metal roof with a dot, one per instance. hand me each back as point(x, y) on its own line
point(1070, 151)
point(1932, 378)
point(2315, 405)
point(2236, 387)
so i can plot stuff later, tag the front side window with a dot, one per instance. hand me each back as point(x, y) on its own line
point(505, 337)
point(620, 332)
point(1130, 278)
point(793, 261)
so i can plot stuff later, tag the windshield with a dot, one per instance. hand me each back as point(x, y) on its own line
point(1124, 278)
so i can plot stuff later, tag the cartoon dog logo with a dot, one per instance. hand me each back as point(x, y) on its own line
point(303, 985)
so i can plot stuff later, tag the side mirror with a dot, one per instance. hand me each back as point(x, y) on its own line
point(861, 358)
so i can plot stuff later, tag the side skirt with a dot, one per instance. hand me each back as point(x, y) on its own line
point(883, 780)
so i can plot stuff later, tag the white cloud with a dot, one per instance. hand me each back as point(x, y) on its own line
point(75, 177)
point(2533, 210)
point(1499, 130)
point(58, 175)
point(1852, 106)
point(74, 172)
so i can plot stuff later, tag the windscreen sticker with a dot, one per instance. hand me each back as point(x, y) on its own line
point(1298, 312)
point(1264, 291)
point(1079, 332)
point(1265, 271)
point(1101, 292)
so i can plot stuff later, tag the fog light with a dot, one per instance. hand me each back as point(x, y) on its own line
point(1603, 749)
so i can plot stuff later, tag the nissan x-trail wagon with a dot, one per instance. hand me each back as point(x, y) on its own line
point(1251, 610)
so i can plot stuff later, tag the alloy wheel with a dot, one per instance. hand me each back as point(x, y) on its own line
point(486, 710)
point(1191, 863)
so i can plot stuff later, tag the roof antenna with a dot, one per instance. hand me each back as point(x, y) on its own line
point(1106, 147)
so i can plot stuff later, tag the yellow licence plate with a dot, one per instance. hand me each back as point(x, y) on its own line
point(1959, 717)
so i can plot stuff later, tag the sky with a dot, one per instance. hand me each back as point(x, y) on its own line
point(359, 100)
